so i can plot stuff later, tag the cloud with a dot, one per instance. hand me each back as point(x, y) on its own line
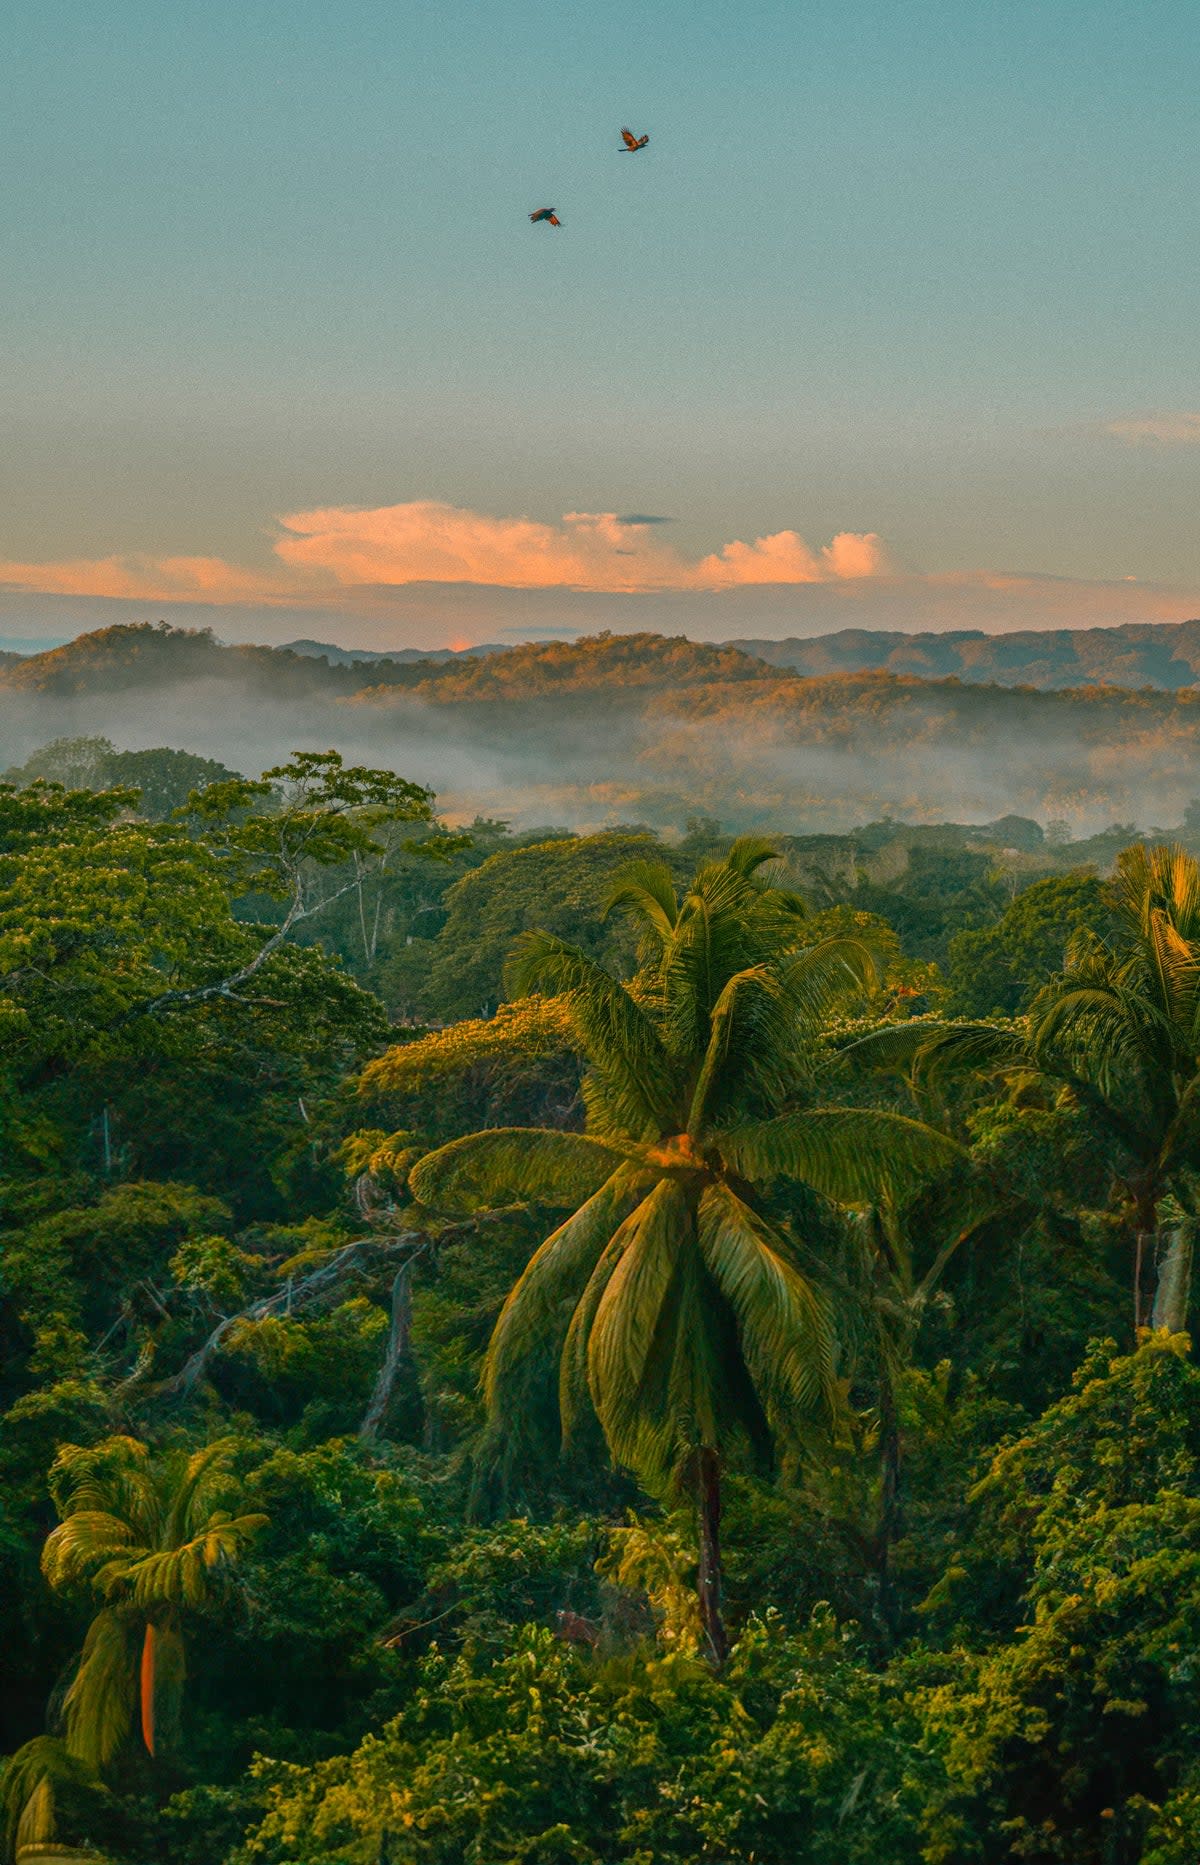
point(1156, 430)
point(447, 571)
point(644, 518)
point(786, 558)
point(146, 579)
point(428, 542)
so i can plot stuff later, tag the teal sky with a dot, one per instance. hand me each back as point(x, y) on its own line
point(883, 269)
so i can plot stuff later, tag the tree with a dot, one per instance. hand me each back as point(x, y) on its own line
point(108, 925)
point(999, 969)
point(163, 778)
point(558, 884)
point(153, 1537)
point(1119, 1030)
point(677, 1299)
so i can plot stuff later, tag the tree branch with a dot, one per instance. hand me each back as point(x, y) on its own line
point(321, 1282)
point(184, 999)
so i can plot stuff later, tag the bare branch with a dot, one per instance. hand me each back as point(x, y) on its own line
point(397, 1348)
point(229, 987)
point(293, 1295)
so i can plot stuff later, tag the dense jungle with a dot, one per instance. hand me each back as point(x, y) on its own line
point(526, 1342)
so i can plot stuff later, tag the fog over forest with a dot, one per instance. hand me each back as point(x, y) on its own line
point(818, 737)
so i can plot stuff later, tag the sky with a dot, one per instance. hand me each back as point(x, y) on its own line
point(893, 323)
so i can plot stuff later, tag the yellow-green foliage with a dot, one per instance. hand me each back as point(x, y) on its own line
point(518, 1034)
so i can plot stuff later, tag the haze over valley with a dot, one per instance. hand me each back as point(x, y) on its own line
point(804, 736)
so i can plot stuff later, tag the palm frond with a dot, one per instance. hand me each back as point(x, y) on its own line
point(512, 1165)
point(202, 1485)
point(181, 1576)
point(854, 1155)
point(645, 891)
point(88, 1541)
point(541, 1302)
point(100, 1701)
point(734, 995)
point(629, 1320)
point(32, 1781)
point(783, 1322)
point(614, 1032)
point(820, 978)
point(114, 1477)
point(934, 1052)
point(574, 1393)
point(690, 1388)
point(749, 854)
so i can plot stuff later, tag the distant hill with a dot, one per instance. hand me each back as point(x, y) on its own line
point(1158, 654)
point(345, 657)
point(655, 729)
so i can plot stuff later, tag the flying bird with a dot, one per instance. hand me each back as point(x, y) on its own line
point(632, 143)
point(547, 213)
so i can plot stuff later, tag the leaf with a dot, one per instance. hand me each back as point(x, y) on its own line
point(541, 1302)
point(631, 1316)
point(512, 1165)
point(99, 1704)
point(645, 890)
point(851, 1154)
point(619, 1040)
point(934, 1051)
point(784, 1324)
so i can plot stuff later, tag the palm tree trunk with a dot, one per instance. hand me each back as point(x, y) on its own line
point(1144, 1237)
point(1171, 1297)
point(148, 1686)
point(889, 1501)
point(708, 1584)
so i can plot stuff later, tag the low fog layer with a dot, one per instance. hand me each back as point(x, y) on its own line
point(642, 729)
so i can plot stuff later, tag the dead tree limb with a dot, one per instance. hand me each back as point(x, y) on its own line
point(399, 1335)
point(310, 1289)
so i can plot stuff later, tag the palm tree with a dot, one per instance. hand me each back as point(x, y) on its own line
point(152, 1536)
point(677, 1302)
point(1119, 1030)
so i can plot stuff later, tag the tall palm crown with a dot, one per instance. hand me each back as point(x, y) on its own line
point(1120, 1028)
point(1125, 1015)
point(677, 1304)
point(151, 1535)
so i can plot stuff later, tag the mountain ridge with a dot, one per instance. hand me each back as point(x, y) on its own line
point(1162, 656)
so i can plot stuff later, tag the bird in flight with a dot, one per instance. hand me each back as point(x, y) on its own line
point(632, 143)
point(547, 213)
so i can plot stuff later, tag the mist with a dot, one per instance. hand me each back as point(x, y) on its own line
point(786, 754)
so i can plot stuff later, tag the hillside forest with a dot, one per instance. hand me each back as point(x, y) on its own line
point(532, 1344)
point(1078, 728)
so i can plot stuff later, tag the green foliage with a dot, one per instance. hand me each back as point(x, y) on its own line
point(560, 886)
point(163, 779)
point(798, 1751)
point(518, 1068)
point(998, 969)
point(669, 1190)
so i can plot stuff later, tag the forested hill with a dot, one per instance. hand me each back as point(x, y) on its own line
point(1162, 655)
point(140, 655)
point(1158, 654)
point(634, 728)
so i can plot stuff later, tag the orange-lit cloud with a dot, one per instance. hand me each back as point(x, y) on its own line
point(146, 579)
point(786, 558)
point(428, 542)
point(369, 564)
point(1156, 430)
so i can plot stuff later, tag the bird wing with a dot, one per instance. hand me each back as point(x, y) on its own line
point(629, 139)
point(542, 213)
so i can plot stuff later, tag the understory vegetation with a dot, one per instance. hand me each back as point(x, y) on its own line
point(611, 1349)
